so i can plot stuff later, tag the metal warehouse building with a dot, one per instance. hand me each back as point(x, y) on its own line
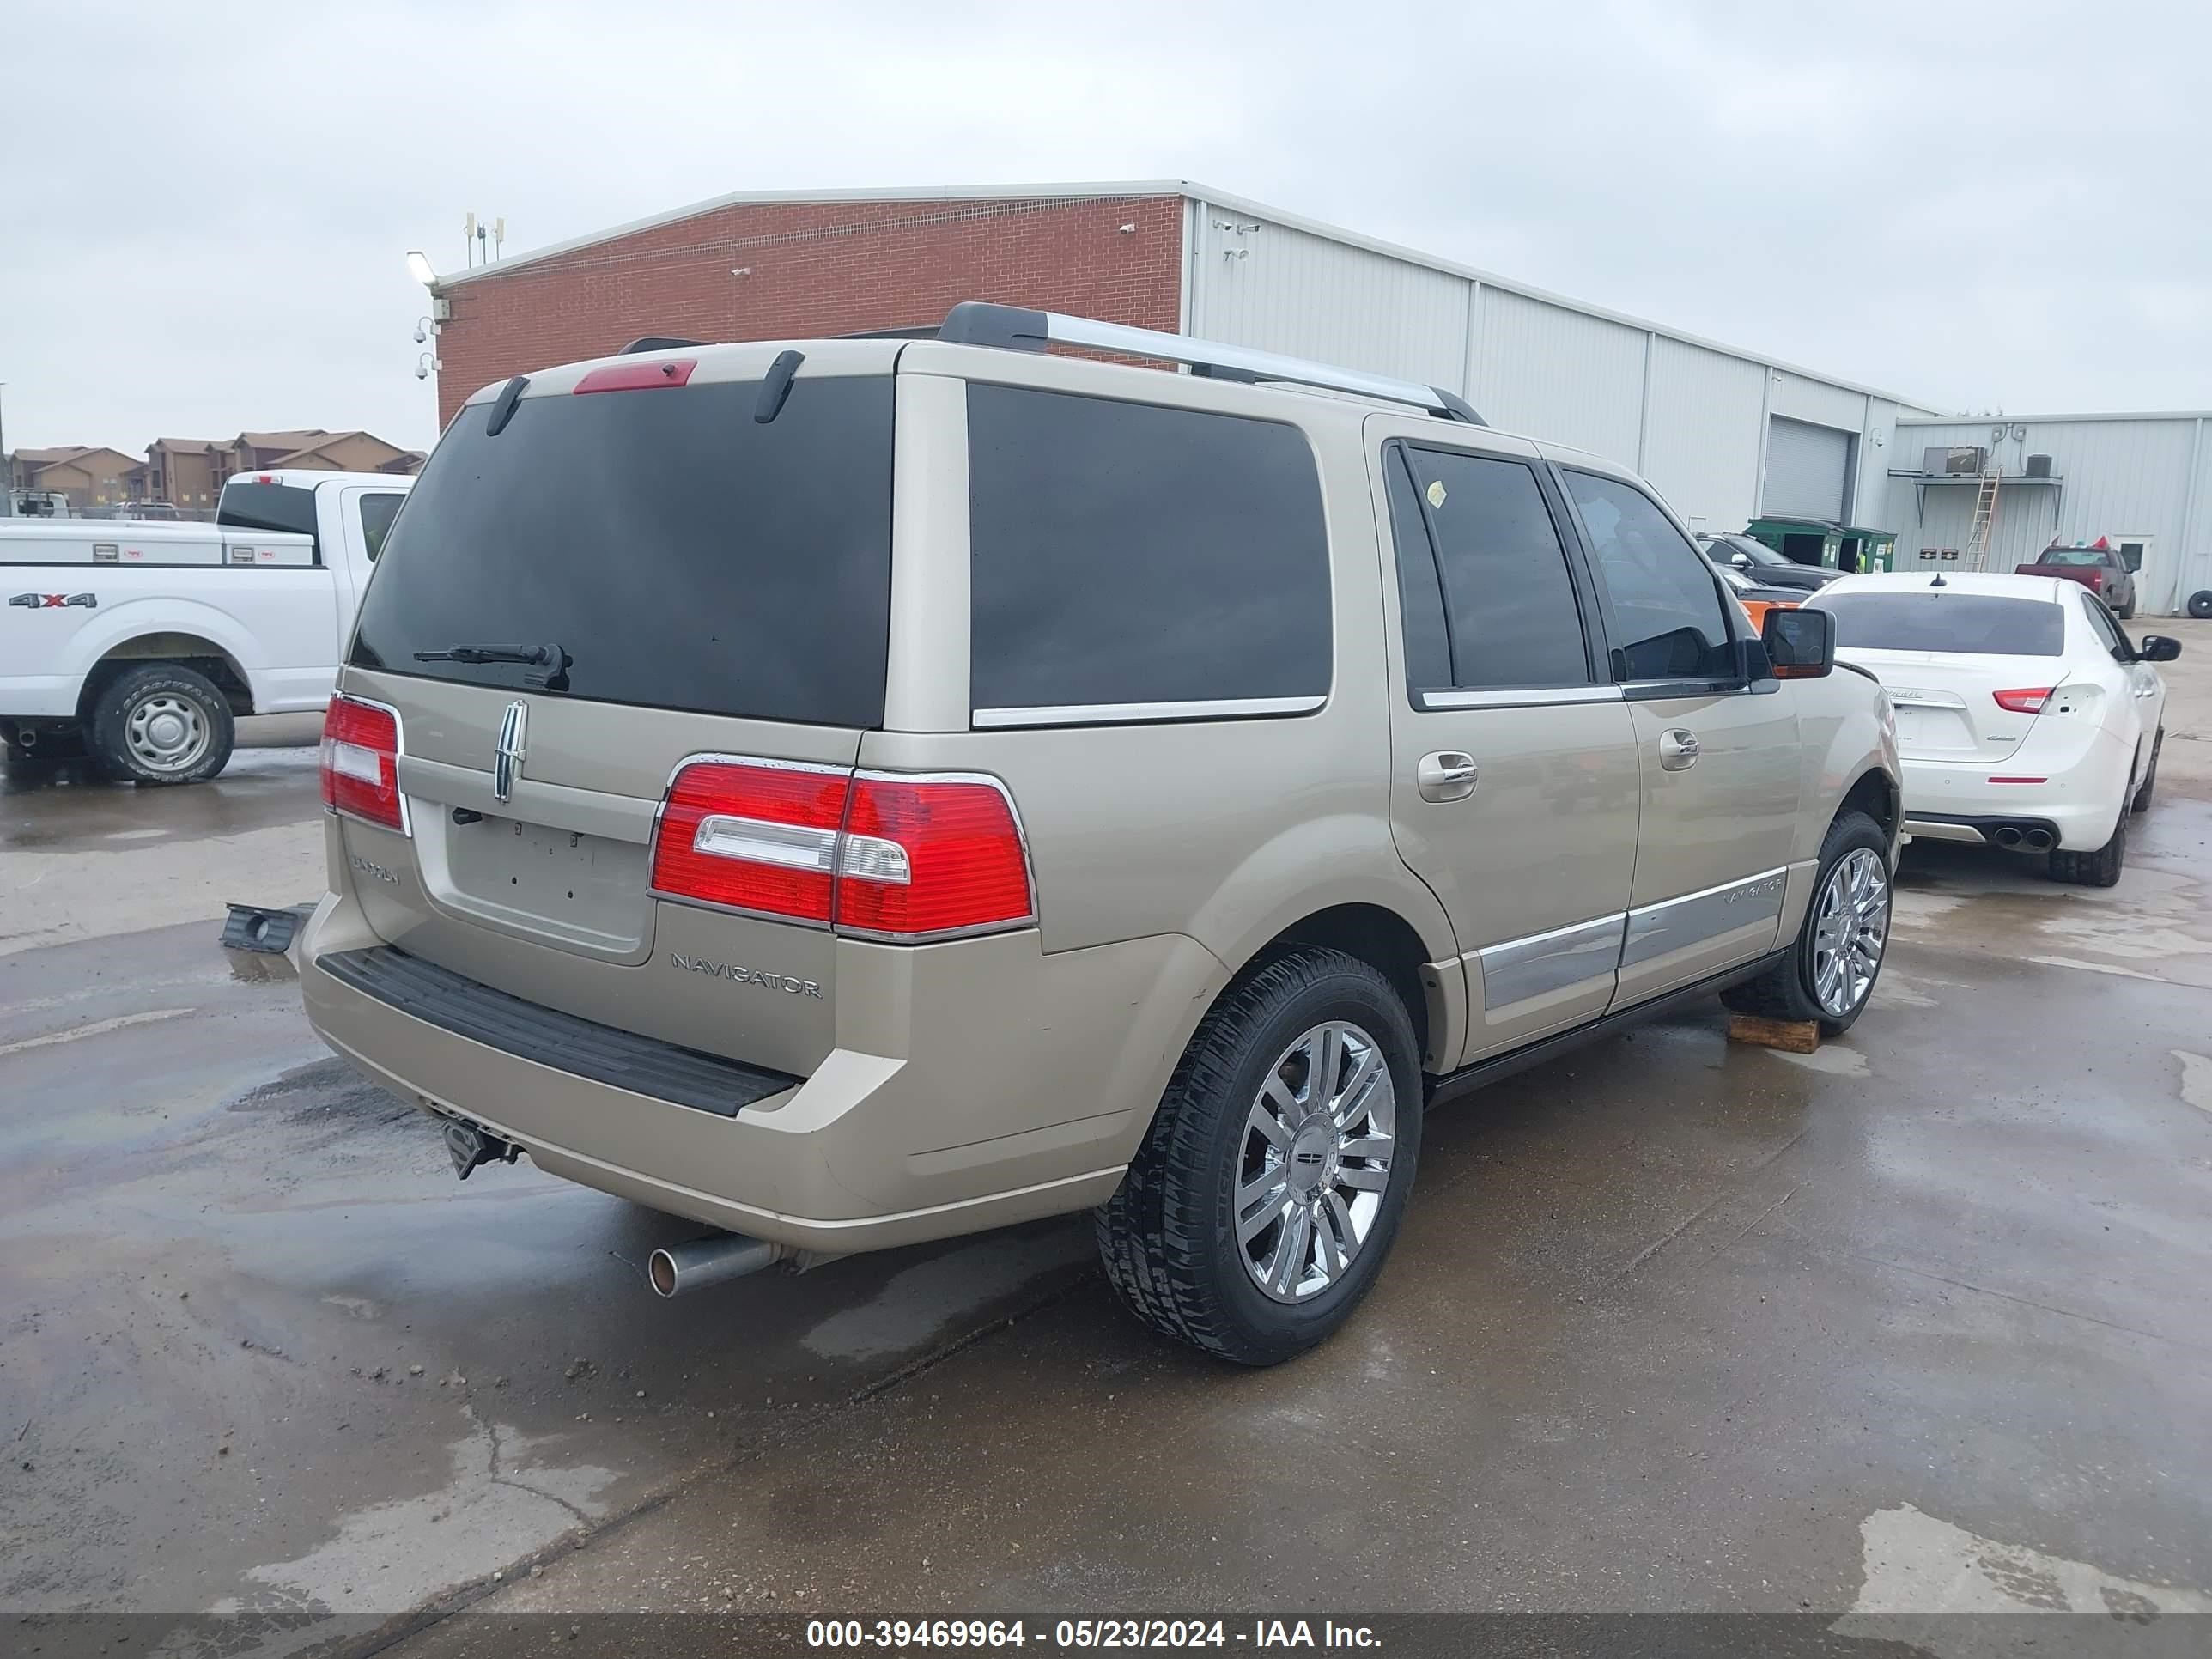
point(1727, 435)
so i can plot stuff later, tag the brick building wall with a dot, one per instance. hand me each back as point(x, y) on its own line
point(814, 269)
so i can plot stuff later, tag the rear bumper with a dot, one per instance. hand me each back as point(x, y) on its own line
point(2079, 805)
point(2013, 830)
point(1020, 1085)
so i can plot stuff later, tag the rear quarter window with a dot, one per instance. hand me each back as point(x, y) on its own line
point(1971, 624)
point(244, 505)
point(1126, 554)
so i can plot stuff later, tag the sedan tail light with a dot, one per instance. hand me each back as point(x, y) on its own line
point(883, 854)
point(360, 762)
point(2026, 700)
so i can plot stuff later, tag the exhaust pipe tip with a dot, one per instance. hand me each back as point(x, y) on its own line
point(2007, 837)
point(675, 1268)
point(2040, 841)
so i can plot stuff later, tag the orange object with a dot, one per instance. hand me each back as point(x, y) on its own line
point(1757, 609)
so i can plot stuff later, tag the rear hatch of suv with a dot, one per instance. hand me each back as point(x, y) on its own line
point(609, 576)
point(1969, 673)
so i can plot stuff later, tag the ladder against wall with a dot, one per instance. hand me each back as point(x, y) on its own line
point(1977, 553)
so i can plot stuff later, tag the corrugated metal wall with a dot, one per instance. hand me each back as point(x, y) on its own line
point(1556, 374)
point(1690, 415)
point(1278, 288)
point(2120, 477)
point(1701, 440)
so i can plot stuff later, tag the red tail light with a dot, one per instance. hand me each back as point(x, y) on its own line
point(360, 762)
point(753, 836)
point(931, 855)
point(2028, 700)
point(890, 856)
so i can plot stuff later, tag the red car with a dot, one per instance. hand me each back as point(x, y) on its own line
point(2097, 567)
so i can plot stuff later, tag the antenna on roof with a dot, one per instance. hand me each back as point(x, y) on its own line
point(1939, 581)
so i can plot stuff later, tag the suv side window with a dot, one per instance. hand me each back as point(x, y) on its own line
point(1666, 613)
point(1488, 599)
point(1130, 554)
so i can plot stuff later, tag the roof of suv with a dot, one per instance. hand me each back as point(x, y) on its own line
point(972, 328)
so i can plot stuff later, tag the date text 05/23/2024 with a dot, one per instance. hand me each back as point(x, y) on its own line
point(1126, 1634)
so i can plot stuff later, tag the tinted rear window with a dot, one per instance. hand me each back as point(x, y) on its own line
point(682, 554)
point(1975, 624)
point(1125, 553)
point(268, 507)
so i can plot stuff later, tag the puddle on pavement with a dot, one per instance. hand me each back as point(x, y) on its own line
point(260, 967)
point(916, 1305)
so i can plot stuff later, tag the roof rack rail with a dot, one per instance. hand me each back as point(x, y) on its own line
point(1018, 328)
point(657, 343)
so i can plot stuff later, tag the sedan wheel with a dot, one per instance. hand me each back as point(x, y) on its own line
point(1850, 930)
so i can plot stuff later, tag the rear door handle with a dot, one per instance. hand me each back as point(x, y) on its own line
point(1446, 775)
point(1678, 750)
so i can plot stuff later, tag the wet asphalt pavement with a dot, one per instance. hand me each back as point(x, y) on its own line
point(1923, 1320)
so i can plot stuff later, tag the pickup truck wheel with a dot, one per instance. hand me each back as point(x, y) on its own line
point(1829, 974)
point(2140, 801)
point(1268, 1192)
point(162, 723)
point(2100, 868)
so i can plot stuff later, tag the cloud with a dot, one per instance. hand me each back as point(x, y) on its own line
point(2012, 216)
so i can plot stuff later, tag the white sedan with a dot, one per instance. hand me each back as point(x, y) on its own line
point(2026, 717)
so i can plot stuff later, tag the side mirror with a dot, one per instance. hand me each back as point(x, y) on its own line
point(1740, 559)
point(2158, 648)
point(1800, 643)
point(2132, 558)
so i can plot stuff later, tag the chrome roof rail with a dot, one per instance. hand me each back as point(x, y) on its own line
point(1017, 328)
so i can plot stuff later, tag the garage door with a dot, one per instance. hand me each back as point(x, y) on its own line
point(1807, 467)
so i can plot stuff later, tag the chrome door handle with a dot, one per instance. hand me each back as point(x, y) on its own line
point(1448, 775)
point(1678, 750)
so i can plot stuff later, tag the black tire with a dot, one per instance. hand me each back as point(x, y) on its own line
point(160, 688)
point(2200, 604)
point(1786, 991)
point(1168, 1237)
point(2129, 615)
point(2099, 869)
point(2140, 801)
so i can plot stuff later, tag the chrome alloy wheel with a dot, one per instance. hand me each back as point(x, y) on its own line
point(1316, 1161)
point(167, 733)
point(1850, 927)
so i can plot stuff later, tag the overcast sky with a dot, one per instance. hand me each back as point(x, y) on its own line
point(2003, 206)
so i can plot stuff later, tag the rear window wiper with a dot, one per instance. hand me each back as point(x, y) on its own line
point(553, 662)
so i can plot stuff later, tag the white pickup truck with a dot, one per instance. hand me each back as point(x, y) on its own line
point(141, 642)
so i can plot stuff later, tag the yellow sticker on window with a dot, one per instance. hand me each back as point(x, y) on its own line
point(1436, 493)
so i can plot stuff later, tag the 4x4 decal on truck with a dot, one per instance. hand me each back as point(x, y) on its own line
point(53, 601)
